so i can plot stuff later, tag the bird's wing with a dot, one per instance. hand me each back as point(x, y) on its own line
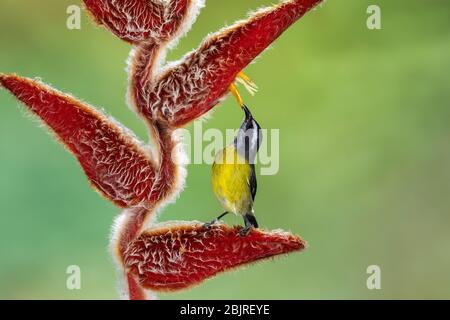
point(253, 184)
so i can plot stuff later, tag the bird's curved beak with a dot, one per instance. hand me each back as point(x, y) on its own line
point(248, 114)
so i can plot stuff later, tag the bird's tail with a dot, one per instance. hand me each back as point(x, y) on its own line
point(251, 219)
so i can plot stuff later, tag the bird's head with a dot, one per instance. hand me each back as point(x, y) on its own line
point(249, 137)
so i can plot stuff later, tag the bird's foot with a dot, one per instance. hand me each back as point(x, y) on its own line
point(250, 223)
point(245, 231)
point(245, 80)
point(209, 225)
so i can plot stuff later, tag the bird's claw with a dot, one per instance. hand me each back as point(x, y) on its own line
point(245, 231)
point(209, 225)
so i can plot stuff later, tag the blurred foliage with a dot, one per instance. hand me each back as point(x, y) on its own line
point(364, 175)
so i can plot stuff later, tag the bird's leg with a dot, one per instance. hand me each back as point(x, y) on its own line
point(250, 222)
point(245, 80)
point(210, 224)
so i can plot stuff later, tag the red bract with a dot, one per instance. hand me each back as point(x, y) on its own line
point(136, 21)
point(115, 162)
point(175, 257)
point(141, 180)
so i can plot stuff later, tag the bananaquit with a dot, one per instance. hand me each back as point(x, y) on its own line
point(233, 173)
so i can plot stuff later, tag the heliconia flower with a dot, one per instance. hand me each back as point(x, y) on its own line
point(177, 256)
point(142, 179)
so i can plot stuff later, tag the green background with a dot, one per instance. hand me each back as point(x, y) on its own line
point(364, 165)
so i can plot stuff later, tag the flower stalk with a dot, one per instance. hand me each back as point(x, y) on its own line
point(179, 255)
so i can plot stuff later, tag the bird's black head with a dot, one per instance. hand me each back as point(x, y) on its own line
point(249, 137)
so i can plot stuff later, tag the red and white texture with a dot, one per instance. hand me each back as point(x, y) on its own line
point(141, 179)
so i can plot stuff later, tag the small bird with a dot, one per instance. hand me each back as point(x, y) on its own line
point(233, 173)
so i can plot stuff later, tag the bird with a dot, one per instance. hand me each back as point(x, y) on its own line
point(233, 175)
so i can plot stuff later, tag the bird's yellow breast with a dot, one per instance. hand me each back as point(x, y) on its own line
point(230, 181)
